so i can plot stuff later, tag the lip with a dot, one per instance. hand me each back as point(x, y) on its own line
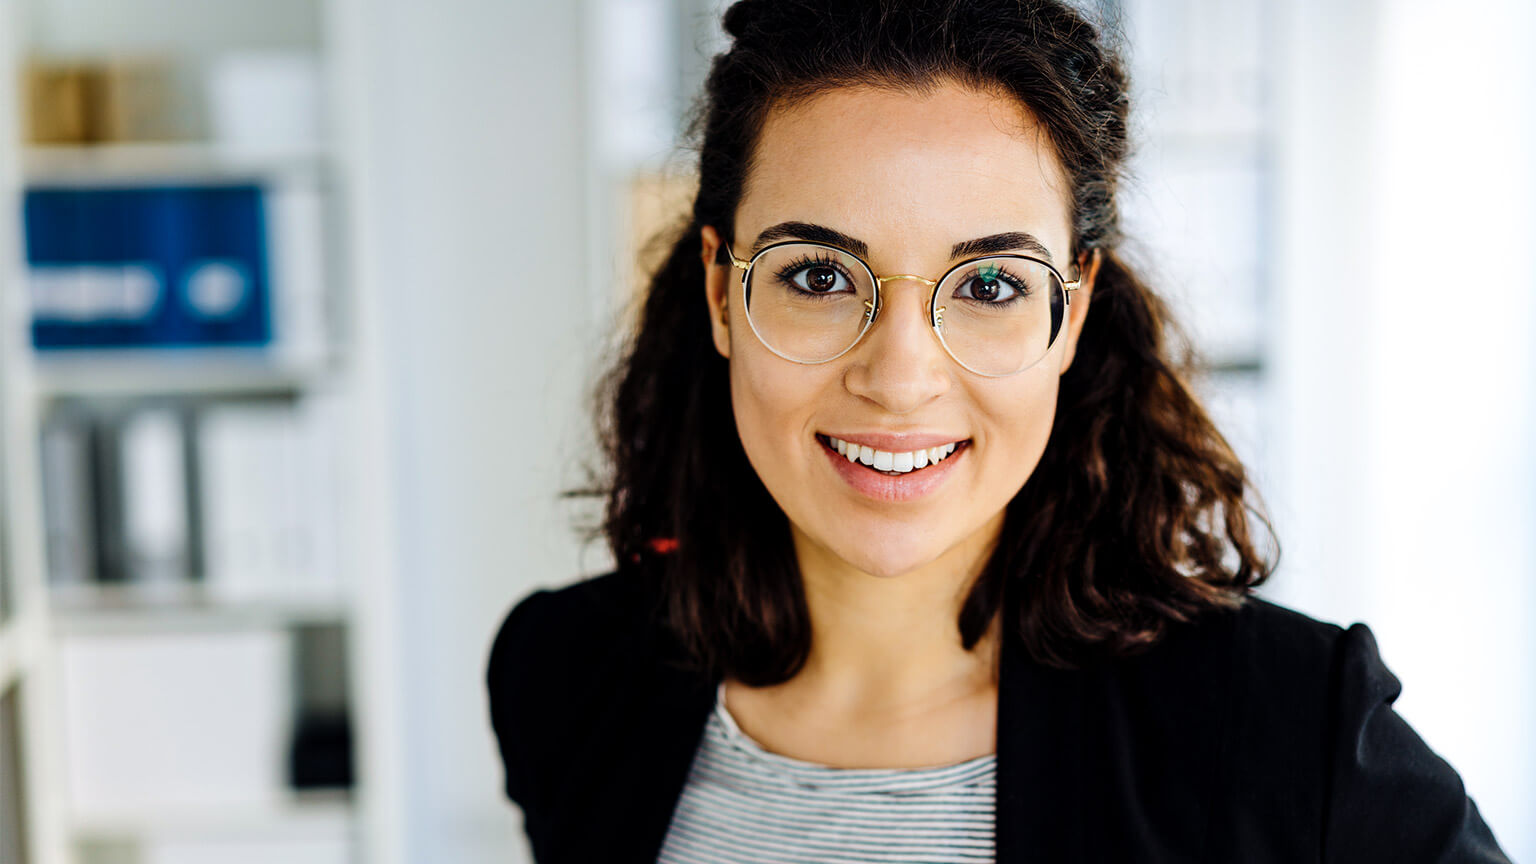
point(898, 442)
point(900, 487)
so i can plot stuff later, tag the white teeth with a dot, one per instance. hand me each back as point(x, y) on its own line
point(887, 461)
point(851, 451)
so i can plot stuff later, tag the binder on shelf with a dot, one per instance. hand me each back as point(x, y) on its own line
point(147, 266)
point(68, 523)
point(269, 496)
point(202, 266)
point(296, 232)
point(240, 496)
point(157, 519)
point(111, 552)
point(117, 497)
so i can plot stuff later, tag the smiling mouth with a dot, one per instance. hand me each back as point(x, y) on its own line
point(888, 463)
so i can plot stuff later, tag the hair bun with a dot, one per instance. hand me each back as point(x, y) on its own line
point(739, 17)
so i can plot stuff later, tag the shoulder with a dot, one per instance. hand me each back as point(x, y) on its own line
point(1277, 639)
point(548, 660)
point(572, 613)
point(1300, 657)
point(1250, 689)
point(1345, 661)
point(552, 632)
point(1311, 733)
point(1283, 672)
point(1288, 651)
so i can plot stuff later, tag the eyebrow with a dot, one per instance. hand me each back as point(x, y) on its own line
point(1007, 241)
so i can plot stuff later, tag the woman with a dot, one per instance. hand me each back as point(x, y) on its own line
point(926, 551)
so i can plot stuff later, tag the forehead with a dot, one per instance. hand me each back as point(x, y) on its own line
point(930, 168)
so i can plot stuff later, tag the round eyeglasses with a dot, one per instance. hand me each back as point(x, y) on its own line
point(811, 303)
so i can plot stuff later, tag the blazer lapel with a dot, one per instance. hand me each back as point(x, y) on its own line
point(1116, 760)
point(1041, 795)
point(640, 757)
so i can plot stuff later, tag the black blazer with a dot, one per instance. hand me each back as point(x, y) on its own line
point(1260, 735)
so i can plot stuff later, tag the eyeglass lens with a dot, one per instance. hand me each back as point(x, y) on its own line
point(995, 315)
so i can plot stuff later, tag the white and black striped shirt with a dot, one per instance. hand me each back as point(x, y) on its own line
point(742, 804)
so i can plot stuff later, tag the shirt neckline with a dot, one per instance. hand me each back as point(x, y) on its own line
point(801, 772)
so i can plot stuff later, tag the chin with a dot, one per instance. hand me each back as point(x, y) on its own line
point(885, 557)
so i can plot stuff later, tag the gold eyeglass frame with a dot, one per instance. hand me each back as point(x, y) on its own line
point(872, 307)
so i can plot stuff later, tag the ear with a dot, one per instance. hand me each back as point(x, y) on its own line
point(1077, 308)
point(718, 279)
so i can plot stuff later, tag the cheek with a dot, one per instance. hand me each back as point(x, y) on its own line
point(1017, 421)
point(772, 401)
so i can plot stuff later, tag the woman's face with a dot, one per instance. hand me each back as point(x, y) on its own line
point(911, 177)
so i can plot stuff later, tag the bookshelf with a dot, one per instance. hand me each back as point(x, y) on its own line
point(1200, 205)
point(191, 664)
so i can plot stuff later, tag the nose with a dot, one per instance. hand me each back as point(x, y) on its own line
point(900, 364)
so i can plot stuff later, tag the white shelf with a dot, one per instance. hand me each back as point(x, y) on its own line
point(157, 608)
point(194, 162)
point(300, 813)
point(171, 371)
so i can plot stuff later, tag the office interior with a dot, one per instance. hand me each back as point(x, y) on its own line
point(256, 534)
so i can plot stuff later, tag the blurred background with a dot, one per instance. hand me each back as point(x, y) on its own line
point(301, 303)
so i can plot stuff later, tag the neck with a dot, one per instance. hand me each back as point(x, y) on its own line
point(890, 646)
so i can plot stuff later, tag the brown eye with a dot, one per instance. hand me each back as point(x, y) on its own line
point(986, 289)
point(817, 278)
point(821, 279)
point(992, 284)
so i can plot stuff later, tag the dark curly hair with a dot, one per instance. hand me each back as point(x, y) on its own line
point(1137, 515)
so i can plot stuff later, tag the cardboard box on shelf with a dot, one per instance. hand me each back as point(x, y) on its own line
point(125, 99)
point(145, 99)
point(57, 101)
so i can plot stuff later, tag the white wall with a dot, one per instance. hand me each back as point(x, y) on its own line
point(476, 178)
point(1403, 348)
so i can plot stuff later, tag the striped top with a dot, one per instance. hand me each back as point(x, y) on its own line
point(742, 803)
